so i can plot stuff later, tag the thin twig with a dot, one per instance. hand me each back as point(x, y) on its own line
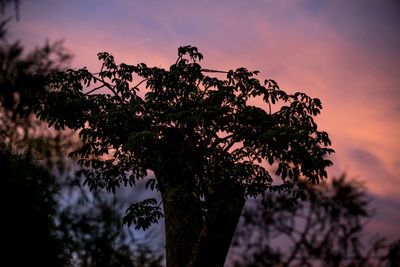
point(139, 83)
point(269, 104)
point(109, 87)
point(91, 91)
point(217, 71)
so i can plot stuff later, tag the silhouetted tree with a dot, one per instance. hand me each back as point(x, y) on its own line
point(28, 190)
point(22, 82)
point(34, 231)
point(207, 145)
point(324, 230)
point(28, 230)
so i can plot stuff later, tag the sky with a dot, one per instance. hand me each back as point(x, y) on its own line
point(345, 53)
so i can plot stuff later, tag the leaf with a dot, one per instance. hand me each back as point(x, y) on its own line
point(143, 214)
point(151, 183)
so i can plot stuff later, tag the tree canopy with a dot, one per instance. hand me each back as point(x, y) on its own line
point(207, 145)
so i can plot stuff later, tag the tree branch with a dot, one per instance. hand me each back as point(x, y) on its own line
point(109, 87)
point(139, 83)
point(214, 71)
point(234, 140)
point(91, 91)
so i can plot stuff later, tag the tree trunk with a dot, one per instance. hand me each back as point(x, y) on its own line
point(194, 237)
point(183, 221)
point(194, 241)
point(182, 210)
point(215, 238)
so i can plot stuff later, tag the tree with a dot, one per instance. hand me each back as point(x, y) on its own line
point(36, 231)
point(208, 147)
point(28, 189)
point(22, 82)
point(28, 205)
point(325, 230)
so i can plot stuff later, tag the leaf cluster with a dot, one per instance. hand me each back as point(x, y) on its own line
point(143, 214)
point(182, 119)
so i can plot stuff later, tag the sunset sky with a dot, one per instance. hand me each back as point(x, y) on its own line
point(344, 52)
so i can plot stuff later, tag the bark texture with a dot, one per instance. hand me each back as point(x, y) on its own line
point(196, 235)
point(183, 223)
point(195, 238)
point(214, 240)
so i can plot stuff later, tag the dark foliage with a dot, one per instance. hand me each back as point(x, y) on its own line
point(208, 147)
point(35, 232)
point(22, 82)
point(221, 135)
point(325, 230)
point(28, 205)
point(93, 235)
point(85, 234)
point(28, 190)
